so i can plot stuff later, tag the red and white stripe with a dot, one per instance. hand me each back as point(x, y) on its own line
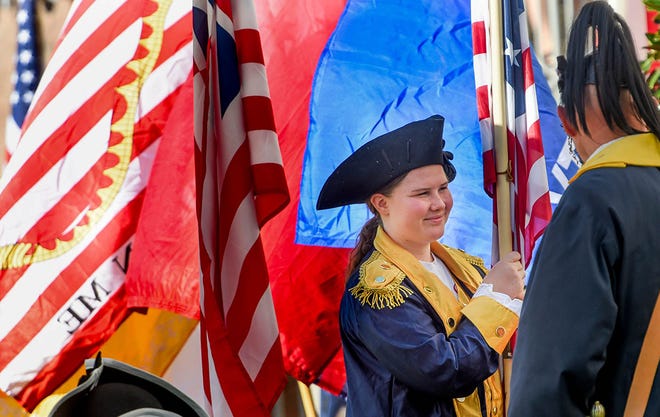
point(241, 184)
point(530, 200)
point(55, 180)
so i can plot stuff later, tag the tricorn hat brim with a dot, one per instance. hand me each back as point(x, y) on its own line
point(112, 388)
point(379, 161)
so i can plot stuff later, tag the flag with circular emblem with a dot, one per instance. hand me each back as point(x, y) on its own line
point(70, 197)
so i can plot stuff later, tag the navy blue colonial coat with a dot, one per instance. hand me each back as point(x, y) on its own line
point(411, 348)
point(593, 286)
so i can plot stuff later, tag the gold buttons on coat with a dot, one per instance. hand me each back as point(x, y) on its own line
point(428, 289)
point(500, 331)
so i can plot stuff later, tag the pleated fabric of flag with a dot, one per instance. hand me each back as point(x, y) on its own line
point(240, 185)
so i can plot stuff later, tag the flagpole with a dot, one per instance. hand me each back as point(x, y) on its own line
point(307, 400)
point(503, 180)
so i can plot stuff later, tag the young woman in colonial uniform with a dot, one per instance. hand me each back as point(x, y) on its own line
point(422, 329)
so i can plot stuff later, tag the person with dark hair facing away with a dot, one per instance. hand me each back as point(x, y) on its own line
point(586, 333)
point(422, 335)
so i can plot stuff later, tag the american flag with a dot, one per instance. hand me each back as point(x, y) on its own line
point(71, 194)
point(530, 200)
point(241, 184)
point(26, 77)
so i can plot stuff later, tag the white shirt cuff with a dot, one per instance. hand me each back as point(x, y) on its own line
point(486, 290)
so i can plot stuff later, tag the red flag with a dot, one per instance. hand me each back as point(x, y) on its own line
point(530, 208)
point(240, 185)
point(164, 268)
point(72, 192)
point(307, 281)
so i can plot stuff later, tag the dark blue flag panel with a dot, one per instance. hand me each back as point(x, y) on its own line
point(28, 71)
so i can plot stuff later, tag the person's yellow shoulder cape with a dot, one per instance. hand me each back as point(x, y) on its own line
point(637, 150)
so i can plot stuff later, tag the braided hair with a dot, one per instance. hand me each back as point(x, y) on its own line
point(611, 66)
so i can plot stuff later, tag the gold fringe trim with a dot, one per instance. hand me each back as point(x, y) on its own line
point(478, 262)
point(474, 260)
point(392, 295)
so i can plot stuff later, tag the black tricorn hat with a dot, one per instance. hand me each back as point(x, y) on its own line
point(379, 161)
point(113, 388)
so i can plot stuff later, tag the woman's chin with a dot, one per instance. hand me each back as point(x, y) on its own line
point(436, 234)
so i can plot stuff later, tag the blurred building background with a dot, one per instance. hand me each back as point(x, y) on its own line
point(550, 20)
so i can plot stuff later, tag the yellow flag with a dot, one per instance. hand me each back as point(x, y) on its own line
point(147, 341)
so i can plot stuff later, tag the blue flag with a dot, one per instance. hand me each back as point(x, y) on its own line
point(389, 63)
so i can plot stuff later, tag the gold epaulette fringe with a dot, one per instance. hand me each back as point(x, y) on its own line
point(390, 296)
point(474, 260)
point(471, 259)
point(379, 284)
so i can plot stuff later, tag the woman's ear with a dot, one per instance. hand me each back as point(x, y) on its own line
point(379, 202)
point(568, 127)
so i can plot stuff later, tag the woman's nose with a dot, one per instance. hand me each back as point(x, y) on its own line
point(436, 201)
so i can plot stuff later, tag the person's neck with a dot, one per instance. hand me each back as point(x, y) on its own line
point(422, 253)
point(596, 140)
point(603, 135)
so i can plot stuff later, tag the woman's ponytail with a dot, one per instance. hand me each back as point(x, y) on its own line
point(364, 244)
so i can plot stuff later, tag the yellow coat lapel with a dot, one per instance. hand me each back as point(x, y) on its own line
point(440, 297)
point(637, 150)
